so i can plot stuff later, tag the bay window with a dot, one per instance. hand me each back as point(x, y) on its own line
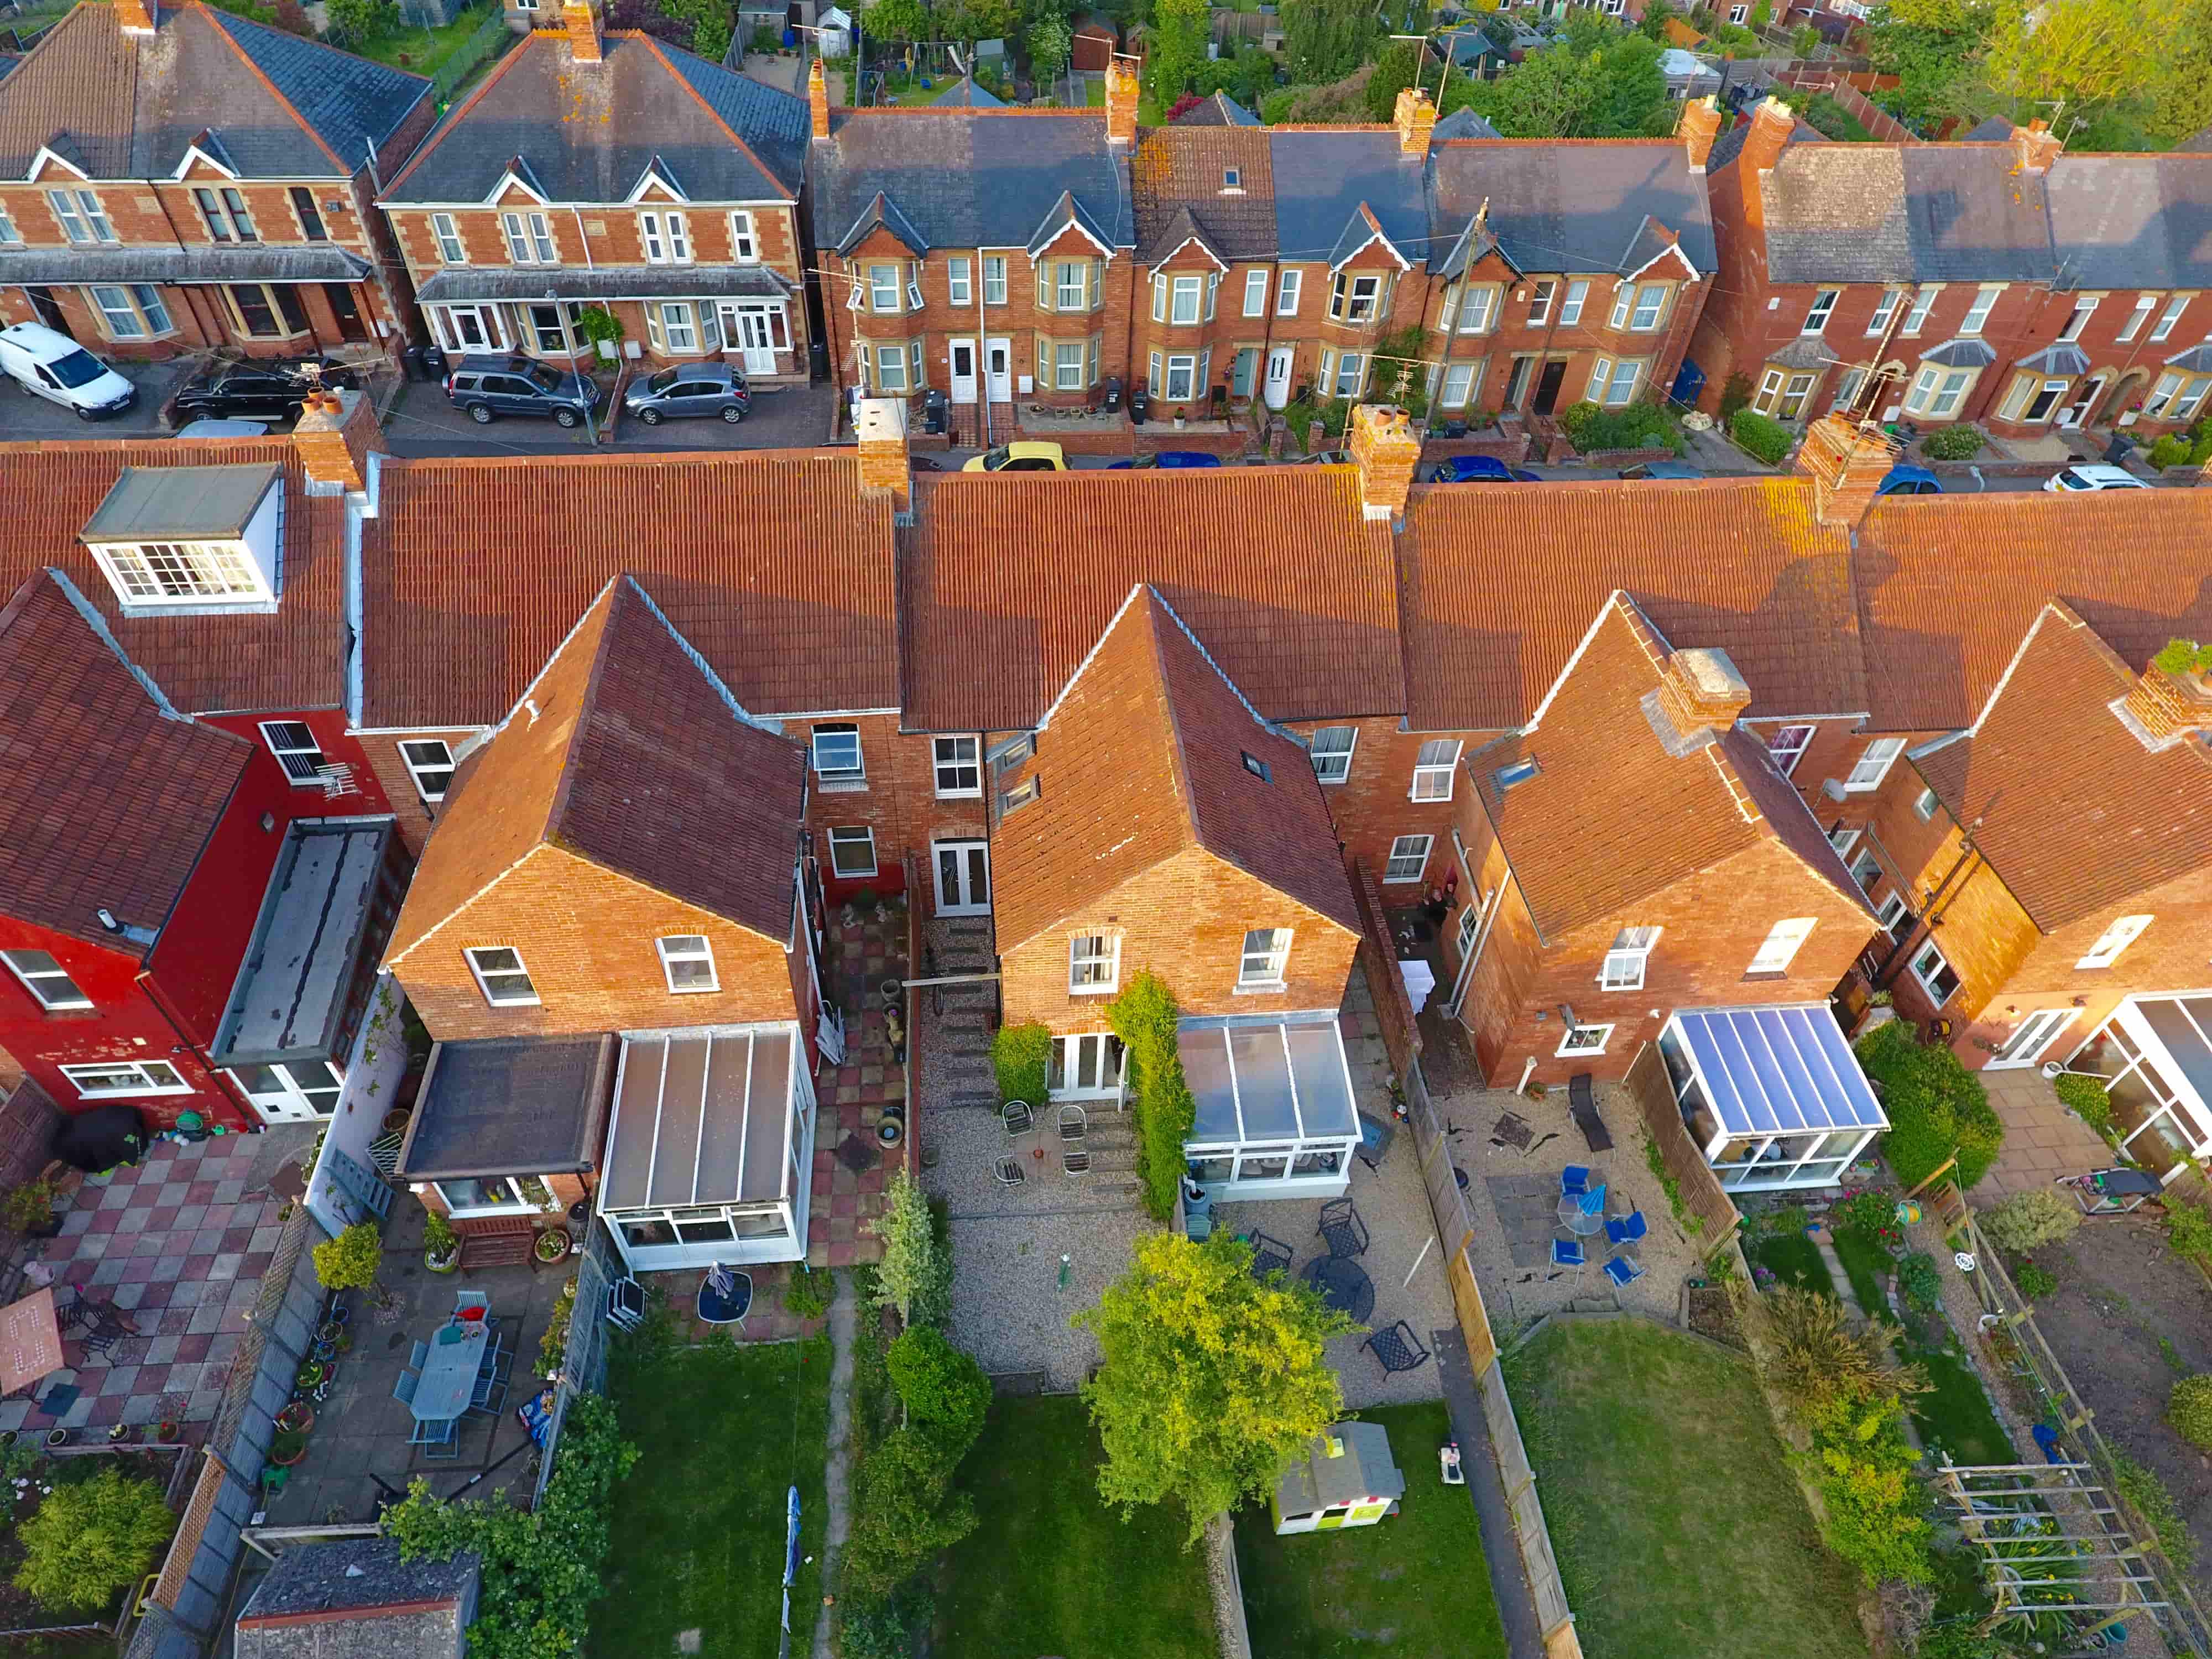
point(883, 287)
point(1354, 298)
point(1937, 391)
point(132, 311)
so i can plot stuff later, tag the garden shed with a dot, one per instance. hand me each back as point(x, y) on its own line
point(1348, 1479)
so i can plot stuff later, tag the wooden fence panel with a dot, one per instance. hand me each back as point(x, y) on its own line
point(1703, 1195)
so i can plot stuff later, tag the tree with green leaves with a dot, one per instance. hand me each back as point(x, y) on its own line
point(364, 23)
point(352, 1261)
point(905, 20)
point(916, 1276)
point(1049, 41)
point(711, 23)
point(1600, 82)
point(1175, 48)
point(90, 1540)
point(1325, 40)
point(1211, 1384)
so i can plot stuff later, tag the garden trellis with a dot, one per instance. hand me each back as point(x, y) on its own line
point(2053, 1544)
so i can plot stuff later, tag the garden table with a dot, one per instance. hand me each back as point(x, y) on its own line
point(1343, 1285)
point(1580, 1222)
point(449, 1372)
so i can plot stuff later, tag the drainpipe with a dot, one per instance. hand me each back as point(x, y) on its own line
point(1925, 927)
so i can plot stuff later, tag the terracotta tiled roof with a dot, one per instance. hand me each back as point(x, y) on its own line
point(1948, 585)
point(294, 660)
point(626, 754)
point(2073, 812)
point(1611, 817)
point(1008, 580)
point(105, 798)
point(771, 563)
point(1143, 759)
point(1500, 583)
point(1181, 167)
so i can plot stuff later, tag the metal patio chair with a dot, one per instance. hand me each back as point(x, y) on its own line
point(1269, 1255)
point(1341, 1226)
point(1626, 1229)
point(1569, 1253)
point(1397, 1348)
point(1574, 1181)
point(1623, 1271)
point(1008, 1171)
point(418, 1356)
point(1074, 1123)
point(1074, 1158)
point(403, 1390)
point(1017, 1117)
point(625, 1304)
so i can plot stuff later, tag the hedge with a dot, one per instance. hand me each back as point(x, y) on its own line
point(1953, 443)
point(1754, 434)
point(1935, 1105)
point(1144, 1018)
point(1639, 425)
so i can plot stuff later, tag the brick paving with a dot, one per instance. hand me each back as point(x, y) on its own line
point(2043, 1140)
point(767, 1321)
point(180, 1244)
point(850, 1098)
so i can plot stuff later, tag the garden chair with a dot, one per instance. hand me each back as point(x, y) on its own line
point(489, 1397)
point(1074, 1123)
point(403, 1390)
point(1568, 1253)
point(625, 1304)
point(426, 1432)
point(1341, 1226)
point(1008, 1171)
point(1397, 1348)
point(1269, 1255)
point(1623, 1271)
point(1574, 1181)
point(418, 1356)
point(1074, 1158)
point(1626, 1229)
point(465, 1302)
point(1017, 1118)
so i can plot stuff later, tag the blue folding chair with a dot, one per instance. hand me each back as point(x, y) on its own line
point(1568, 1253)
point(432, 1436)
point(418, 1356)
point(403, 1390)
point(1622, 1271)
point(1574, 1181)
point(1626, 1229)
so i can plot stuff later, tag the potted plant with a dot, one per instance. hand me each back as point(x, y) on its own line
point(29, 1209)
point(441, 1245)
point(553, 1244)
point(311, 1374)
point(287, 1448)
point(352, 1261)
point(297, 1418)
point(56, 1438)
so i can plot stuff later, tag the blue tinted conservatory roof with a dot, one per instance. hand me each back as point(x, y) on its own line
point(1769, 1070)
point(1266, 1080)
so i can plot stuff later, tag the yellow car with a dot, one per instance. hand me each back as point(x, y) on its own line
point(1024, 456)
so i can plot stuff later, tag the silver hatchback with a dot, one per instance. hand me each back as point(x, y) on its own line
point(689, 389)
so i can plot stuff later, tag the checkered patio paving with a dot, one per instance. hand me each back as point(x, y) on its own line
point(180, 1244)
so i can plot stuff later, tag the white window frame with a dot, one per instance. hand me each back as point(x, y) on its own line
point(1926, 978)
point(1570, 310)
point(1273, 958)
point(2085, 307)
point(1350, 373)
point(1625, 962)
point(485, 975)
point(1872, 765)
point(1255, 291)
point(74, 998)
point(149, 1082)
point(421, 767)
point(1843, 839)
point(1404, 849)
point(1354, 297)
point(1894, 906)
point(1582, 1040)
point(452, 250)
point(1923, 301)
point(1540, 302)
point(1092, 971)
point(1066, 375)
point(119, 317)
point(890, 368)
point(1478, 308)
point(951, 756)
point(2170, 316)
point(1781, 945)
point(9, 233)
point(1884, 311)
point(667, 240)
point(1287, 291)
point(1978, 315)
point(1459, 384)
point(1822, 308)
point(83, 221)
point(2114, 939)
point(675, 949)
point(2145, 304)
point(529, 239)
point(995, 279)
point(1924, 805)
point(1650, 308)
point(2184, 407)
point(959, 290)
point(1185, 299)
point(153, 573)
point(1431, 764)
point(1071, 285)
point(838, 777)
point(1333, 765)
point(1186, 364)
point(1788, 746)
point(745, 243)
point(281, 737)
point(848, 836)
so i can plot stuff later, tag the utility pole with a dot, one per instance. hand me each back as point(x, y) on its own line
point(568, 345)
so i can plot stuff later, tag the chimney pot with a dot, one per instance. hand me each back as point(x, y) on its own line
point(879, 424)
point(135, 16)
point(1416, 116)
point(1387, 451)
point(1700, 124)
point(333, 436)
point(1846, 463)
point(817, 98)
point(582, 23)
point(1700, 689)
point(2166, 708)
point(1120, 103)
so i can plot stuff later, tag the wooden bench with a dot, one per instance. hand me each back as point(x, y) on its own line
point(500, 1244)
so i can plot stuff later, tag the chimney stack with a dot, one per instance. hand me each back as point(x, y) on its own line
point(1120, 102)
point(1700, 124)
point(1416, 116)
point(583, 26)
point(2168, 704)
point(1772, 123)
point(333, 436)
point(879, 423)
point(1386, 450)
point(1846, 463)
point(2035, 147)
point(817, 98)
point(135, 16)
point(1699, 690)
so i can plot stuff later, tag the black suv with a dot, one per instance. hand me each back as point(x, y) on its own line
point(267, 390)
point(486, 384)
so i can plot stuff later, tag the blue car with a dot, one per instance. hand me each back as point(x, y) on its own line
point(1662, 470)
point(1479, 469)
point(1167, 457)
point(1910, 481)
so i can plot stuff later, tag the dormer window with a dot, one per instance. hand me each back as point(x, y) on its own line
point(189, 537)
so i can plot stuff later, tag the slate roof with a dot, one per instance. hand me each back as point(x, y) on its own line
point(294, 660)
point(770, 562)
point(1601, 206)
point(107, 797)
point(2131, 221)
point(2073, 813)
point(1178, 172)
point(1873, 213)
point(1218, 111)
point(1143, 759)
point(2132, 563)
point(969, 178)
point(1613, 816)
point(131, 106)
point(1324, 175)
point(589, 132)
point(1498, 584)
point(634, 759)
point(965, 94)
point(355, 1599)
point(1008, 580)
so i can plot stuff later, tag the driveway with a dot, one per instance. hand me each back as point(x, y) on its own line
point(23, 417)
point(422, 422)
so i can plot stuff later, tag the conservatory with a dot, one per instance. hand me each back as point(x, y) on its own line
point(1773, 1096)
point(1274, 1116)
point(711, 1153)
point(2154, 1053)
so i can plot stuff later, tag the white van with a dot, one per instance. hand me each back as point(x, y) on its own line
point(56, 368)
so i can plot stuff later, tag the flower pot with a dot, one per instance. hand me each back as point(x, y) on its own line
point(168, 1431)
point(60, 1437)
point(553, 1245)
point(328, 1331)
point(299, 1417)
point(447, 1264)
point(394, 1123)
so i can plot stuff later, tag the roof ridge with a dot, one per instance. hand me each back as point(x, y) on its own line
point(713, 114)
point(1098, 115)
point(444, 129)
point(223, 29)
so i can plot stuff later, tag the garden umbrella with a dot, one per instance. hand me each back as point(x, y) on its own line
point(790, 1566)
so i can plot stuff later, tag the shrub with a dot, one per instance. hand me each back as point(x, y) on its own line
point(2036, 1281)
point(916, 1275)
point(2161, 1516)
point(1832, 121)
point(1875, 1518)
point(2171, 449)
point(904, 1511)
point(1917, 1278)
point(1867, 1213)
point(89, 1541)
point(1144, 1018)
point(944, 1388)
point(364, 22)
point(2089, 1099)
point(2029, 1219)
point(438, 1235)
point(553, 1346)
point(1736, 393)
point(1639, 425)
point(1022, 1056)
point(1814, 1354)
point(2189, 1231)
point(1936, 1106)
point(885, 1627)
point(1961, 442)
point(810, 1293)
point(352, 1259)
point(1765, 440)
point(2189, 1408)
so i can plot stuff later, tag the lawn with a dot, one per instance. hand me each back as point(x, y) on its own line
point(1956, 1415)
point(1868, 1266)
point(1678, 1527)
point(421, 51)
point(1414, 1584)
point(1051, 1569)
point(1094, 93)
point(1794, 1258)
point(698, 1526)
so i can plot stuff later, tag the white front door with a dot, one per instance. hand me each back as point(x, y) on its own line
point(1278, 376)
point(1086, 1068)
point(2085, 404)
point(998, 360)
point(301, 1092)
point(746, 330)
point(2034, 1035)
point(963, 371)
point(963, 877)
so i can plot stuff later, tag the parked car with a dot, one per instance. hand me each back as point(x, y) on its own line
point(1028, 456)
point(485, 384)
point(2087, 475)
point(51, 365)
point(689, 389)
point(1167, 457)
point(260, 391)
point(1479, 469)
point(222, 428)
point(1908, 480)
point(1662, 470)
